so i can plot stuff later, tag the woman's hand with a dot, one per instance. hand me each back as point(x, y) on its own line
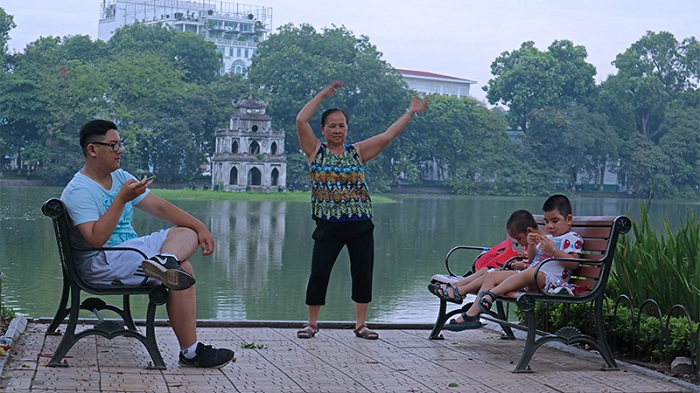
point(418, 105)
point(331, 89)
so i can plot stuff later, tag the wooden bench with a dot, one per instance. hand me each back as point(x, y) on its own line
point(70, 248)
point(600, 234)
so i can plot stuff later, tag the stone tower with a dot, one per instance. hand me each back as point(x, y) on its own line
point(249, 154)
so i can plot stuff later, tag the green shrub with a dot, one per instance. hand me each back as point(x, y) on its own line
point(620, 329)
point(649, 340)
point(679, 342)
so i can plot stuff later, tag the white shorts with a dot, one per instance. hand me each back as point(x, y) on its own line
point(551, 281)
point(124, 266)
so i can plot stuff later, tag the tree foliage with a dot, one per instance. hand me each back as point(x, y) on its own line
point(528, 79)
point(7, 23)
point(654, 97)
point(652, 72)
point(293, 64)
point(163, 88)
point(186, 51)
point(160, 86)
point(572, 143)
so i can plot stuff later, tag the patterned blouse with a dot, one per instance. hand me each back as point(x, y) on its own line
point(338, 189)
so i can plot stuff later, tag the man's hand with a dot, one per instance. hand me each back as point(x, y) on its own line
point(206, 242)
point(131, 189)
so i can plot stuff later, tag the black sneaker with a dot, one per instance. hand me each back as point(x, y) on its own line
point(167, 270)
point(208, 357)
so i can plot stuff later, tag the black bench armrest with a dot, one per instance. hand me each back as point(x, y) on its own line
point(456, 248)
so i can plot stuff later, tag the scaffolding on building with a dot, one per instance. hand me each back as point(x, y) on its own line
point(156, 10)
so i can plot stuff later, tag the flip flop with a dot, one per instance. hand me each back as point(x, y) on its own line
point(469, 323)
point(308, 331)
point(366, 333)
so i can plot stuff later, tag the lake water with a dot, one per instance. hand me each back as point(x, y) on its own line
point(263, 254)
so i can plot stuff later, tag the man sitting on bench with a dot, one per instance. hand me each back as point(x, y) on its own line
point(100, 200)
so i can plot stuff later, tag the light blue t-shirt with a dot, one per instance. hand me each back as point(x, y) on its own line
point(87, 201)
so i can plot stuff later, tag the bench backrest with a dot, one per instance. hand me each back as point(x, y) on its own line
point(72, 247)
point(599, 235)
point(66, 237)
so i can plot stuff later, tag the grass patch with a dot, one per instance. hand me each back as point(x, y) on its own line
point(208, 195)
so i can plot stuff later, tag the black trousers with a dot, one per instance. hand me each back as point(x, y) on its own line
point(329, 240)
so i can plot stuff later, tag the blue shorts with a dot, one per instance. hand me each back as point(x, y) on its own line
point(124, 266)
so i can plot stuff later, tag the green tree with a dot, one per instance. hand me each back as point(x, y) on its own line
point(469, 142)
point(21, 114)
point(528, 79)
point(292, 64)
point(572, 144)
point(159, 114)
point(651, 73)
point(647, 169)
point(49, 94)
point(167, 106)
point(681, 144)
point(187, 51)
point(7, 23)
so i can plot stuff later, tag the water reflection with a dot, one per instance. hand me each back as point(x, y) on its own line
point(263, 254)
point(250, 242)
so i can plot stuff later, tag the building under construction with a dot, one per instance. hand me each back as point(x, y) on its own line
point(235, 28)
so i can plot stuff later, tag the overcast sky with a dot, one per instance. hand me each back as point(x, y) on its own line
point(459, 38)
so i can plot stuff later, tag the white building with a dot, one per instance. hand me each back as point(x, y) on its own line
point(430, 83)
point(249, 154)
point(235, 28)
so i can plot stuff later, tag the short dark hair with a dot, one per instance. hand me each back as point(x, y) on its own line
point(329, 111)
point(92, 129)
point(557, 202)
point(520, 220)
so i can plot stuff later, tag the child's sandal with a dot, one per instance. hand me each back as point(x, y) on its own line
point(485, 304)
point(468, 322)
point(455, 298)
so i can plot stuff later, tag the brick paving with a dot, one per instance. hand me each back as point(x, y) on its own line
point(402, 360)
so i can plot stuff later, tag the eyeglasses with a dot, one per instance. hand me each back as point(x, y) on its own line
point(115, 146)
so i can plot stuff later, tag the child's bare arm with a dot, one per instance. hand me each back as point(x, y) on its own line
point(547, 245)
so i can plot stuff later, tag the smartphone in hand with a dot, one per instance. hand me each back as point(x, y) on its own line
point(149, 180)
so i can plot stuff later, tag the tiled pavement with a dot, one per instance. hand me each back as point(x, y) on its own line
point(402, 360)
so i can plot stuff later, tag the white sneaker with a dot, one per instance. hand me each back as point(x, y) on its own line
point(167, 270)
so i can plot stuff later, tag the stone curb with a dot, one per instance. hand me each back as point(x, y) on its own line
point(17, 326)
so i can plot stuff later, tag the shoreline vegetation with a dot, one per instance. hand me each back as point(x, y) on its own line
point(251, 196)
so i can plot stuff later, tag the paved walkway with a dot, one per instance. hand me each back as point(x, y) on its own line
point(402, 360)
